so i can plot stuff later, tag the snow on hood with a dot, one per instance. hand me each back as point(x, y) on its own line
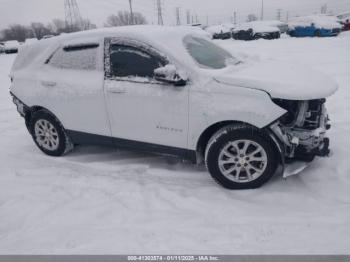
point(257, 27)
point(281, 80)
point(320, 21)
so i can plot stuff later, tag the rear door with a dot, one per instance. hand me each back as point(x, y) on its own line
point(141, 108)
point(71, 86)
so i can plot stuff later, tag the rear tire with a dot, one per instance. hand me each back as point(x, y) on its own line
point(241, 157)
point(49, 134)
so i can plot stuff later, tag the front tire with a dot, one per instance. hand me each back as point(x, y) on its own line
point(49, 134)
point(241, 157)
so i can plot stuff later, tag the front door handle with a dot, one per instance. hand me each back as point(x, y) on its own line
point(48, 83)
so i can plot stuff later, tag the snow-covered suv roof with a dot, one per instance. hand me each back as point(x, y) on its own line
point(257, 27)
point(320, 21)
point(166, 39)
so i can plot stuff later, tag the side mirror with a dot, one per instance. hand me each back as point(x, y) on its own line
point(169, 74)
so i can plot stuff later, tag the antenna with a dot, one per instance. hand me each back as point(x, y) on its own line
point(159, 12)
point(72, 14)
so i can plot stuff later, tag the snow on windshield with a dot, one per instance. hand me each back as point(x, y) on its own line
point(207, 54)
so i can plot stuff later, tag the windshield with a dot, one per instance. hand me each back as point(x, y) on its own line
point(207, 54)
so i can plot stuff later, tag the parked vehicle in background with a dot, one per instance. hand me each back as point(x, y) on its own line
point(30, 41)
point(256, 30)
point(346, 25)
point(173, 91)
point(222, 32)
point(314, 26)
point(2, 48)
point(344, 20)
point(47, 36)
point(11, 47)
point(283, 27)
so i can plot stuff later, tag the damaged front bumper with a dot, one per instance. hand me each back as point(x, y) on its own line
point(302, 133)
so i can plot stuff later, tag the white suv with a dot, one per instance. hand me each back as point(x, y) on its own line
point(171, 90)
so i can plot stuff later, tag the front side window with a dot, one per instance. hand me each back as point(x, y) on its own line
point(75, 58)
point(207, 54)
point(128, 61)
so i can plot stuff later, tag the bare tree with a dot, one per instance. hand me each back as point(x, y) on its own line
point(58, 26)
point(87, 25)
point(17, 32)
point(125, 18)
point(40, 30)
point(251, 17)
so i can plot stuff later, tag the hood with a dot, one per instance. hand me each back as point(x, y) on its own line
point(281, 80)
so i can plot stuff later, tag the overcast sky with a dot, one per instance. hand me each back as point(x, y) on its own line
point(25, 11)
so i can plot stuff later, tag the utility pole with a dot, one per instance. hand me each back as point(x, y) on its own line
point(262, 10)
point(234, 17)
point(207, 19)
point(131, 13)
point(287, 17)
point(197, 19)
point(188, 17)
point(160, 12)
point(73, 18)
point(279, 11)
point(178, 20)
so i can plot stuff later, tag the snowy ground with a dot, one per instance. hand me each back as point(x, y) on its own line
point(99, 200)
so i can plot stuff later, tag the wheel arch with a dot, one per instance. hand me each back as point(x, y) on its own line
point(208, 133)
point(31, 110)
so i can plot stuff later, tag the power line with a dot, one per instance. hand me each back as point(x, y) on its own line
point(131, 13)
point(188, 17)
point(178, 20)
point(278, 16)
point(73, 18)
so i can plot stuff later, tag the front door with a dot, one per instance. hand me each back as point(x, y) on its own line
point(141, 108)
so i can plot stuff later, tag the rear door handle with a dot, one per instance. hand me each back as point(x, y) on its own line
point(48, 83)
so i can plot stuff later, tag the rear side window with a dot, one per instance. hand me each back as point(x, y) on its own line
point(128, 61)
point(76, 58)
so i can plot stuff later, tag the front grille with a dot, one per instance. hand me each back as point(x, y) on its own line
point(313, 113)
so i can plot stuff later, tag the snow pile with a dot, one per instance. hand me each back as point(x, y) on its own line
point(104, 201)
point(320, 21)
point(257, 27)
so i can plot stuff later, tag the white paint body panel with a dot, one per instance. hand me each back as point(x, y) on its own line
point(294, 82)
point(158, 114)
point(145, 112)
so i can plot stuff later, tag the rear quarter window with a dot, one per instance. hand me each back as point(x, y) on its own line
point(75, 58)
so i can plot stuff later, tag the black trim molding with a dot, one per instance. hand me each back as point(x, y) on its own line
point(92, 139)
